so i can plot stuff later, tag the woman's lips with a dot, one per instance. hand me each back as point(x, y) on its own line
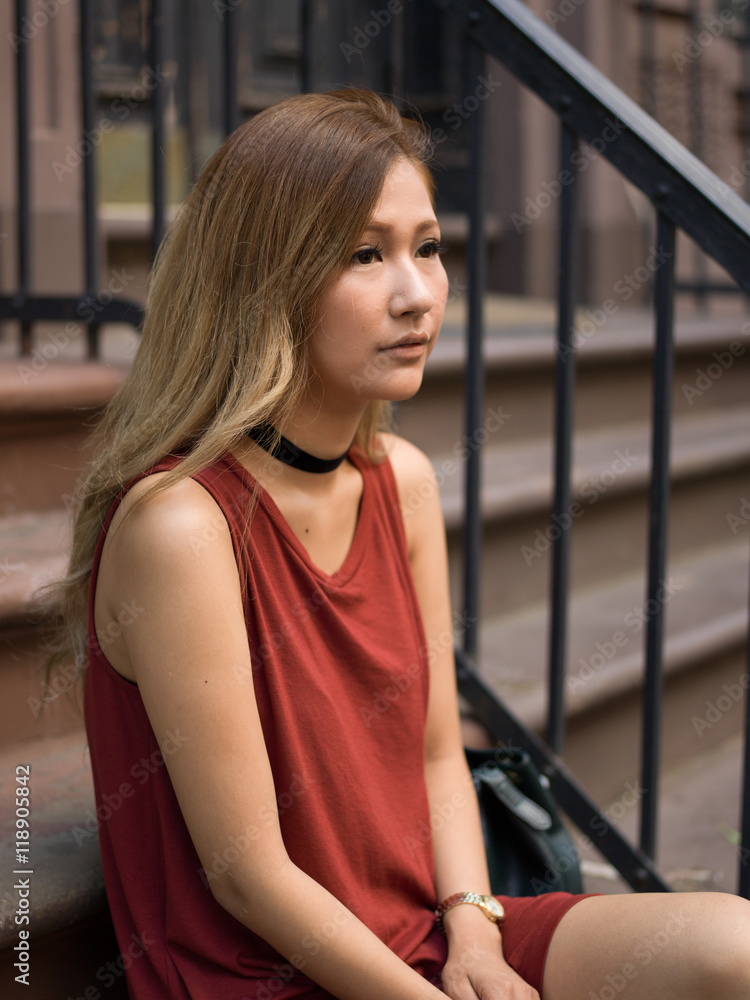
point(411, 347)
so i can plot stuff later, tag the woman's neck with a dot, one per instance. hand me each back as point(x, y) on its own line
point(320, 434)
point(320, 430)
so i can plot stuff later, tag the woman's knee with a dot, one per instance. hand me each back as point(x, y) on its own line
point(720, 945)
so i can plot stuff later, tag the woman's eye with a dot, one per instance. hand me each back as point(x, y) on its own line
point(431, 249)
point(368, 255)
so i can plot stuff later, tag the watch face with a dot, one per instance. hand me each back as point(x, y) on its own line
point(494, 907)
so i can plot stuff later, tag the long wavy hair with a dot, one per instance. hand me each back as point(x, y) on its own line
point(274, 216)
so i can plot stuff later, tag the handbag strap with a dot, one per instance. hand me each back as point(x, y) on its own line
point(513, 798)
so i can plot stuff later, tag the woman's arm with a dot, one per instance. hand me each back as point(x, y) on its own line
point(188, 652)
point(475, 962)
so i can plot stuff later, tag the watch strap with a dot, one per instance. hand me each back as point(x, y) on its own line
point(487, 904)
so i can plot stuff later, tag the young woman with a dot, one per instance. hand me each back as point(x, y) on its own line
point(264, 835)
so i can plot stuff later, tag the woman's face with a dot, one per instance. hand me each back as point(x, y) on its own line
point(376, 325)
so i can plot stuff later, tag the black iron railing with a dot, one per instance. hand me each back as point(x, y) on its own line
point(725, 20)
point(684, 194)
point(25, 306)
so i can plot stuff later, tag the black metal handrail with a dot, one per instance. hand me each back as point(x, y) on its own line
point(685, 194)
point(685, 190)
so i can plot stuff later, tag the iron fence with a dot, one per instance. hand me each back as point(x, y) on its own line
point(684, 195)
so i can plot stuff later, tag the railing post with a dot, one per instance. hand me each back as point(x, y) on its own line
point(90, 230)
point(23, 167)
point(474, 382)
point(158, 101)
point(230, 45)
point(306, 48)
point(744, 848)
point(563, 436)
point(658, 523)
point(697, 141)
point(648, 57)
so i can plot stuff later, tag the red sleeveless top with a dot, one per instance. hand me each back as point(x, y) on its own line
point(340, 671)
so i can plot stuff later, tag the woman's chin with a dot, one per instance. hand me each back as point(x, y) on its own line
point(401, 389)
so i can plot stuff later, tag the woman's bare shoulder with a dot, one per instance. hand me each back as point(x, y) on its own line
point(411, 466)
point(163, 539)
point(162, 517)
point(418, 492)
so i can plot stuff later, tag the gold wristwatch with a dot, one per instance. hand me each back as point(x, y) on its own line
point(490, 907)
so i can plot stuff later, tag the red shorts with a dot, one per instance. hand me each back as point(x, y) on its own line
point(530, 922)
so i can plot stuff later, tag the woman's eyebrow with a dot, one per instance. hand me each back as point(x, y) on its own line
point(385, 227)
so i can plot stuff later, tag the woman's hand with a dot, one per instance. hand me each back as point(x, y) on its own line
point(476, 966)
point(479, 971)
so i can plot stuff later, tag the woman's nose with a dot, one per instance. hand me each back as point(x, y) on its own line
point(413, 292)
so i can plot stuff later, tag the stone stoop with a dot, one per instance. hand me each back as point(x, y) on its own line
point(46, 415)
point(46, 411)
point(699, 820)
point(707, 576)
point(72, 950)
point(706, 582)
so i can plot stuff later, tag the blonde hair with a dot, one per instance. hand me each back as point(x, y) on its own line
point(274, 216)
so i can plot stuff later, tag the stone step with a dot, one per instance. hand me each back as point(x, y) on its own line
point(710, 502)
point(517, 478)
point(33, 551)
point(613, 383)
point(710, 454)
point(705, 595)
point(46, 413)
point(71, 937)
point(698, 824)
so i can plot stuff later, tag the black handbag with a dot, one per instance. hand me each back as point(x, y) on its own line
point(529, 851)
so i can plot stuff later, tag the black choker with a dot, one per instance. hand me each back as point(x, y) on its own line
point(288, 453)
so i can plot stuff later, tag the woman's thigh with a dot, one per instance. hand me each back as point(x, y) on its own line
point(651, 946)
